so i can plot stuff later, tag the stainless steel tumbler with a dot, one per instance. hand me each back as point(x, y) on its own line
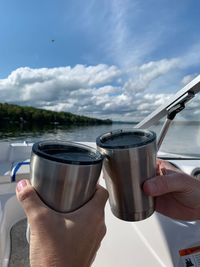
point(130, 160)
point(65, 174)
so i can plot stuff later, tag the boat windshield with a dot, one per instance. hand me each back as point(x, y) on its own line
point(183, 136)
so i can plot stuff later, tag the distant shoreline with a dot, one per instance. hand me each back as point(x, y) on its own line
point(124, 122)
point(25, 115)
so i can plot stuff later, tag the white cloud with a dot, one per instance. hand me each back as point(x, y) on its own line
point(92, 89)
point(148, 72)
point(153, 69)
point(108, 89)
point(188, 78)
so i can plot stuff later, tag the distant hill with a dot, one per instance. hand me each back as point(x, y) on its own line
point(10, 113)
point(125, 122)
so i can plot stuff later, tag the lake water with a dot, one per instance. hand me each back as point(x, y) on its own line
point(72, 133)
point(181, 138)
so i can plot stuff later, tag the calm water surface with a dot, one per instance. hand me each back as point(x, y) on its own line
point(182, 138)
point(73, 133)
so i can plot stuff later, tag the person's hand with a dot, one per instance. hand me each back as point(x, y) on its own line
point(177, 194)
point(63, 240)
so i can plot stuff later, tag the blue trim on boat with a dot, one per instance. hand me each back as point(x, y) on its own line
point(16, 168)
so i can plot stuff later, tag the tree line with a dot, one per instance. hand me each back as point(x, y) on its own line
point(10, 113)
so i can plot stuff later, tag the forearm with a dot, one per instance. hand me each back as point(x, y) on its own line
point(48, 253)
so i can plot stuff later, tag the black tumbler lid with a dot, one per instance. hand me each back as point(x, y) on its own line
point(67, 152)
point(125, 138)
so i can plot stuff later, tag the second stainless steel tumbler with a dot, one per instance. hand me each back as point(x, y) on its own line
point(130, 159)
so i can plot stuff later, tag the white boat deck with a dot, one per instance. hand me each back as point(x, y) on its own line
point(154, 242)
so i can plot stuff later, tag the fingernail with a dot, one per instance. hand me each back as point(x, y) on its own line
point(21, 184)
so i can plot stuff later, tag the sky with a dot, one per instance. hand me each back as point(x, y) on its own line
point(117, 59)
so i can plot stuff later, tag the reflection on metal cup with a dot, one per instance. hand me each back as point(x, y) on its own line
point(130, 159)
point(65, 174)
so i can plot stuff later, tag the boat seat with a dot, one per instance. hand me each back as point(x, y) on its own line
point(10, 155)
point(19, 152)
point(5, 167)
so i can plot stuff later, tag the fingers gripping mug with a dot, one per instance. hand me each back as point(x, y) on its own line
point(64, 174)
point(130, 159)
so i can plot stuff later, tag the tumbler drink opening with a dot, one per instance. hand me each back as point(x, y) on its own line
point(65, 174)
point(67, 152)
point(130, 159)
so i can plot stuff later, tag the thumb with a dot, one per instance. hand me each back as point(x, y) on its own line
point(28, 198)
point(171, 182)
